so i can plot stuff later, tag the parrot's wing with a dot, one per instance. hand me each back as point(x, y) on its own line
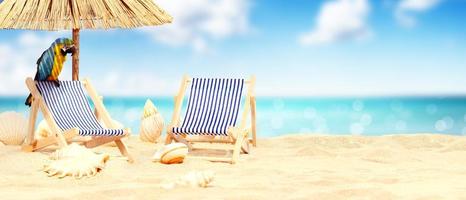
point(38, 62)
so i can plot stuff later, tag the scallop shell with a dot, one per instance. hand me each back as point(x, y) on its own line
point(192, 179)
point(152, 123)
point(13, 128)
point(76, 161)
point(1, 144)
point(171, 153)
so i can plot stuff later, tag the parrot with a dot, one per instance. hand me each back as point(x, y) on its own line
point(50, 63)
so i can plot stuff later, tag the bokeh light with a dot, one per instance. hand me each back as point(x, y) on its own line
point(366, 119)
point(406, 114)
point(356, 129)
point(358, 105)
point(440, 125)
point(450, 122)
point(320, 124)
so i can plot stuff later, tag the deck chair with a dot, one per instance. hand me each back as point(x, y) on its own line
point(69, 116)
point(212, 116)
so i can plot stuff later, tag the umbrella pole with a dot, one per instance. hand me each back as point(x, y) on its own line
point(76, 55)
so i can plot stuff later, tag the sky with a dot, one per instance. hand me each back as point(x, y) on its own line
point(293, 47)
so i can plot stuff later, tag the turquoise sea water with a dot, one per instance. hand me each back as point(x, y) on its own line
point(279, 116)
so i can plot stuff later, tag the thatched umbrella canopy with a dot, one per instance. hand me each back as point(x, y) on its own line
point(54, 15)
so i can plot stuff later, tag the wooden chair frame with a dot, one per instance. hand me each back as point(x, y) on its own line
point(237, 135)
point(62, 138)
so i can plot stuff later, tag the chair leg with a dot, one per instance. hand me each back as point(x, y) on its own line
point(124, 151)
point(32, 122)
point(100, 140)
point(237, 149)
point(180, 139)
point(253, 122)
point(245, 148)
point(168, 138)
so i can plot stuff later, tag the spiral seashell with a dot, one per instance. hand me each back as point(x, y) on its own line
point(192, 179)
point(198, 179)
point(13, 128)
point(42, 130)
point(76, 161)
point(152, 123)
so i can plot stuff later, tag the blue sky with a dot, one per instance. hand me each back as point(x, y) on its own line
point(298, 48)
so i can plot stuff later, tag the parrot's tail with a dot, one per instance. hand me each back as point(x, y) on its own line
point(28, 100)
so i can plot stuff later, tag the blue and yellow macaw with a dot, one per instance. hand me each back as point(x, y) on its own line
point(50, 63)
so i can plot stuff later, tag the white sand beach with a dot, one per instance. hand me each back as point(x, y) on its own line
point(422, 166)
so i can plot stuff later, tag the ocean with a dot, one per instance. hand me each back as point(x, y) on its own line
point(335, 116)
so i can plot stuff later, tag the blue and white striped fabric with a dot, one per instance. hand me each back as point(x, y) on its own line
point(213, 107)
point(70, 108)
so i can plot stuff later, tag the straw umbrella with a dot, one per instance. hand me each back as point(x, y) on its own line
point(54, 15)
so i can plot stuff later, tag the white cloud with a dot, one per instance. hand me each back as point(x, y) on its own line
point(18, 60)
point(197, 22)
point(406, 9)
point(136, 83)
point(339, 20)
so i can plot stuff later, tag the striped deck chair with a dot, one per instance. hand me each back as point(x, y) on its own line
point(212, 116)
point(69, 116)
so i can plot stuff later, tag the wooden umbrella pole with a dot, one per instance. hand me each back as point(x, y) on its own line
point(76, 55)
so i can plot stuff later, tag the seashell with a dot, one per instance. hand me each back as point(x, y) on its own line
point(70, 151)
point(1, 144)
point(152, 123)
point(171, 153)
point(149, 109)
point(75, 161)
point(13, 128)
point(192, 179)
point(42, 130)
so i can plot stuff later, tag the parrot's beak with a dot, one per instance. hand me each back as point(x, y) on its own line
point(69, 49)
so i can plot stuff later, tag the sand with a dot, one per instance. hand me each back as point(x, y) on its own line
point(422, 166)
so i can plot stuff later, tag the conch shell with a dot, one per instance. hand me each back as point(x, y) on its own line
point(192, 179)
point(76, 161)
point(152, 123)
point(13, 128)
point(171, 154)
